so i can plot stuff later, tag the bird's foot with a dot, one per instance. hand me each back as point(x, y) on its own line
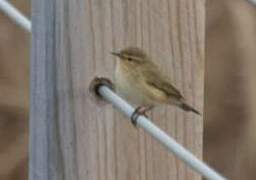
point(141, 110)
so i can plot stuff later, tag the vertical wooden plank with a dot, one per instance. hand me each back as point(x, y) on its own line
point(73, 138)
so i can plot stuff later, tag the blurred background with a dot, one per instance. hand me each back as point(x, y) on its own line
point(230, 100)
point(14, 96)
point(230, 86)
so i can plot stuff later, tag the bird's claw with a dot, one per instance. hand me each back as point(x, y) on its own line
point(138, 111)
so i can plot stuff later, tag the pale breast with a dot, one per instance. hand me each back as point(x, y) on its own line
point(129, 87)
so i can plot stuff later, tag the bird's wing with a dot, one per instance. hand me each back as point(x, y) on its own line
point(155, 79)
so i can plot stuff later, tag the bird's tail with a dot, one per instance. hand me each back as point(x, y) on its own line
point(187, 107)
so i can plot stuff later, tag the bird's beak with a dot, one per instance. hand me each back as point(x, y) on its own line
point(116, 54)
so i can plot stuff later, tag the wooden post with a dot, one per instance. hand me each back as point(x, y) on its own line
point(73, 138)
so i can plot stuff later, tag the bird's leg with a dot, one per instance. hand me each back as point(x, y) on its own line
point(140, 110)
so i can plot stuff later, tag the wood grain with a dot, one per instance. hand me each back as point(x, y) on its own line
point(73, 138)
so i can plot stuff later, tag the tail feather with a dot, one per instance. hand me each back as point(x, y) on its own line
point(187, 107)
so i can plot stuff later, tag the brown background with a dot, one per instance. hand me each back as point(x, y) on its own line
point(14, 97)
point(230, 124)
point(229, 139)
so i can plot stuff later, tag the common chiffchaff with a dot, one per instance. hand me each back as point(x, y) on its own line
point(139, 81)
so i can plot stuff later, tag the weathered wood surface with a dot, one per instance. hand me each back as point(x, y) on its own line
point(70, 136)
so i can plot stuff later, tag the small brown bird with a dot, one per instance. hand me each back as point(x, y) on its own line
point(139, 80)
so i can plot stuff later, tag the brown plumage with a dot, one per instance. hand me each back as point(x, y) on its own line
point(141, 82)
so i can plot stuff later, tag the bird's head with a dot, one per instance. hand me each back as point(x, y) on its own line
point(131, 56)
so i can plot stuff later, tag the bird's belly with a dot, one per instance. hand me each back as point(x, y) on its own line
point(130, 94)
point(132, 91)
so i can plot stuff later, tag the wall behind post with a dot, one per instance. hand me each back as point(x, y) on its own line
point(71, 137)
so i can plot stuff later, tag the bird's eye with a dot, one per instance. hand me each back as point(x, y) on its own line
point(129, 59)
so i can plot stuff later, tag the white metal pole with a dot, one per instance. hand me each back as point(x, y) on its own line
point(15, 15)
point(174, 147)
